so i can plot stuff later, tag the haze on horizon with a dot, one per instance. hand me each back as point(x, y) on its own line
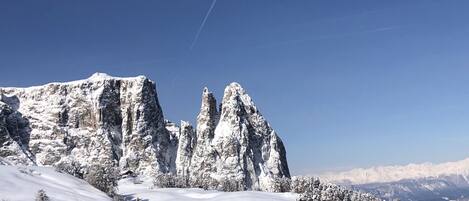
point(345, 84)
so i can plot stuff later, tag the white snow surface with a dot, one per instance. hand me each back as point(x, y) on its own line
point(144, 191)
point(18, 183)
point(21, 183)
point(382, 174)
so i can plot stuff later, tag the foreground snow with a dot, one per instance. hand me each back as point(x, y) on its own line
point(22, 183)
point(144, 192)
point(18, 183)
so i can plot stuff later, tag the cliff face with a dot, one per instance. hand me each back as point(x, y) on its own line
point(204, 156)
point(102, 118)
point(13, 136)
point(186, 143)
point(118, 121)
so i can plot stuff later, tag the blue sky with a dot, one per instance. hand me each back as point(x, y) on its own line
point(345, 83)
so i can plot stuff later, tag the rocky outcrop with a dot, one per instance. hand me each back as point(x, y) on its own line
point(13, 141)
point(186, 144)
point(247, 148)
point(235, 147)
point(203, 160)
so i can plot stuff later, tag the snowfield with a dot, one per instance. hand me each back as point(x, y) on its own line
point(145, 192)
point(22, 183)
point(18, 183)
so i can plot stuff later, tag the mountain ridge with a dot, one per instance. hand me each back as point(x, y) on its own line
point(380, 174)
point(425, 181)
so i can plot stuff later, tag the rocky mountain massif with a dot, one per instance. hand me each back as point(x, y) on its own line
point(119, 122)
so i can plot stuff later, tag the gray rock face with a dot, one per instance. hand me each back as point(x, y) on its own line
point(174, 131)
point(185, 148)
point(203, 160)
point(12, 136)
point(118, 121)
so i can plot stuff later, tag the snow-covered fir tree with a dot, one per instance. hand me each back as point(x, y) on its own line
point(311, 189)
point(41, 196)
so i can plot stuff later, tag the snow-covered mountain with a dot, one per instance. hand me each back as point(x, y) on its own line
point(242, 146)
point(427, 181)
point(395, 173)
point(454, 187)
point(118, 122)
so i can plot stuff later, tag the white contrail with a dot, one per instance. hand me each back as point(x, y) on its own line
point(203, 24)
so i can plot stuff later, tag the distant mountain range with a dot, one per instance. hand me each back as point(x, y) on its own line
point(426, 182)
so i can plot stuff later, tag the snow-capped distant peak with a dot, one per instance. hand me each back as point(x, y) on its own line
point(382, 174)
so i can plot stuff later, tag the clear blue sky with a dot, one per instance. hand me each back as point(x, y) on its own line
point(345, 83)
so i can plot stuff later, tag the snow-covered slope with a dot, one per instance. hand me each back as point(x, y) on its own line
point(22, 183)
point(395, 173)
point(145, 192)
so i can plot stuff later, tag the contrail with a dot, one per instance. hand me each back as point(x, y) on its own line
point(203, 24)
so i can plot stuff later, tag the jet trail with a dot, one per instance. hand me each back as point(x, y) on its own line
point(203, 24)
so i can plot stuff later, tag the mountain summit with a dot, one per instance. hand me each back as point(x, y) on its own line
point(238, 141)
